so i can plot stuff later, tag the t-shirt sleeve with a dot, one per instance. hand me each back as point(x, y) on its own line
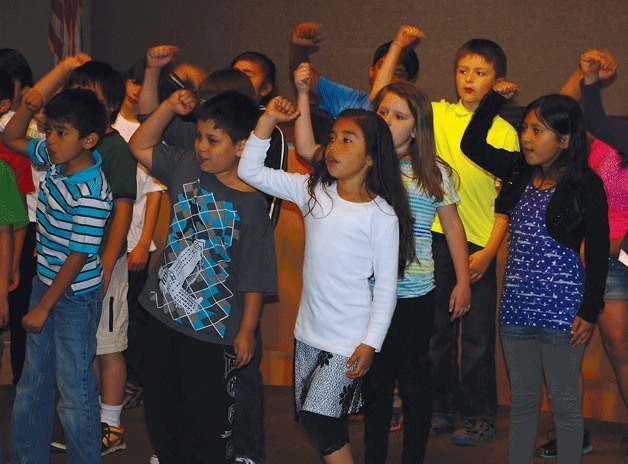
point(450, 196)
point(37, 153)
point(120, 167)
point(258, 267)
point(335, 98)
point(12, 211)
point(165, 161)
point(180, 133)
point(88, 223)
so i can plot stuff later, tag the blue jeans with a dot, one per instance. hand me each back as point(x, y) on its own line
point(62, 352)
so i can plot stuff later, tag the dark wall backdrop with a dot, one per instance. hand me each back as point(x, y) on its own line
point(542, 39)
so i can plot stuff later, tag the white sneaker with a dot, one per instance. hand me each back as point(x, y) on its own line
point(241, 460)
point(154, 459)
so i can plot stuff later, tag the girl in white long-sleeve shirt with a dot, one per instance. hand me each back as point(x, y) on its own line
point(350, 204)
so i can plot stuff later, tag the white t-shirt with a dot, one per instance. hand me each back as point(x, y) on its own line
point(145, 184)
point(345, 244)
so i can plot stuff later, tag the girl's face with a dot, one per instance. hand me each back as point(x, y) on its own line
point(541, 146)
point(255, 72)
point(402, 123)
point(345, 154)
point(132, 94)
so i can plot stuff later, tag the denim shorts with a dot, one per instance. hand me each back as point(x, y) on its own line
point(542, 334)
point(617, 280)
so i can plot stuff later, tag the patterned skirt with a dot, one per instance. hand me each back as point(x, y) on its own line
point(321, 384)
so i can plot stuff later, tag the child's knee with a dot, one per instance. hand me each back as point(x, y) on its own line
point(329, 434)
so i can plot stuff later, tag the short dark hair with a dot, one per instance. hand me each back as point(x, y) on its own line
point(409, 60)
point(223, 80)
point(7, 88)
point(232, 112)
point(136, 72)
point(488, 50)
point(16, 65)
point(102, 74)
point(81, 109)
point(268, 68)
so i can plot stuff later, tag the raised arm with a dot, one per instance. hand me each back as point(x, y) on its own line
point(304, 41)
point(596, 66)
point(497, 161)
point(305, 144)
point(406, 39)
point(150, 132)
point(156, 58)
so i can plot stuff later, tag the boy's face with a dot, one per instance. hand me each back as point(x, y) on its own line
point(101, 97)
point(400, 73)
point(474, 78)
point(215, 151)
point(255, 72)
point(64, 146)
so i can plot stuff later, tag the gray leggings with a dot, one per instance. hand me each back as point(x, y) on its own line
point(529, 353)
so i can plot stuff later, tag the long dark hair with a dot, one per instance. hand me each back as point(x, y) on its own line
point(383, 178)
point(562, 115)
point(425, 162)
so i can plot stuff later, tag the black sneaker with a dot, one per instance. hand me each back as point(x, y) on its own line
point(548, 449)
point(475, 432)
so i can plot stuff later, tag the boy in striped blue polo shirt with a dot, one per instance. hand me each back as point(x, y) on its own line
point(74, 203)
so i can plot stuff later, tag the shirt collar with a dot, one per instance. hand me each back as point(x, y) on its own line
point(83, 176)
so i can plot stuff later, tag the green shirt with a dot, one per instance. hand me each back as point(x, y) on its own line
point(12, 211)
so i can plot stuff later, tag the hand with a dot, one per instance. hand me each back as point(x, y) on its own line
point(360, 361)
point(280, 110)
point(408, 36)
point(35, 319)
point(182, 102)
point(307, 35)
point(138, 258)
point(507, 90)
point(460, 301)
point(581, 332)
point(32, 100)
point(14, 279)
point(478, 264)
point(244, 348)
point(160, 56)
point(302, 77)
point(597, 64)
point(4, 312)
point(73, 62)
point(191, 73)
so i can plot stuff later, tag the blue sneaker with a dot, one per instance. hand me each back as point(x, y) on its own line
point(475, 432)
point(548, 449)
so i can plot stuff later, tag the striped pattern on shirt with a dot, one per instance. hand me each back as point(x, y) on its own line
point(71, 215)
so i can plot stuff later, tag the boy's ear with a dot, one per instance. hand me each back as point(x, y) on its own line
point(239, 146)
point(265, 89)
point(563, 141)
point(5, 105)
point(90, 140)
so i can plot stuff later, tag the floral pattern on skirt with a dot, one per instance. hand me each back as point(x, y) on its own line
point(321, 384)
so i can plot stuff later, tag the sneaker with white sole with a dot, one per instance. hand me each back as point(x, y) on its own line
point(112, 438)
point(241, 460)
point(154, 459)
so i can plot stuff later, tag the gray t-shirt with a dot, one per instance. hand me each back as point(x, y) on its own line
point(220, 245)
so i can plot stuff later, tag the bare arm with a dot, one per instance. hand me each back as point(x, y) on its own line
point(156, 58)
point(304, 41)
point(34, 321)
point(406, 39)
point(122, 214)
point(460, 300)
point(305, 144)
point(244, 343)
point(138, 258)
point(150, 132)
